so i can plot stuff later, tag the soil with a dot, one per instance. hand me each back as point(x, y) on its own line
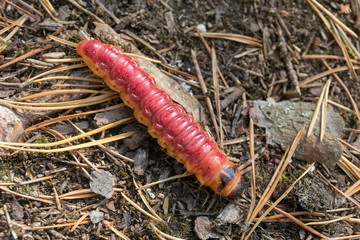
point(188, 210)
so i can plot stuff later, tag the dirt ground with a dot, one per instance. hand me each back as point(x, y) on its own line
point(269, 69)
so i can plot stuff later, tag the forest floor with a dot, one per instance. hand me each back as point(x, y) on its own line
point(275, 51)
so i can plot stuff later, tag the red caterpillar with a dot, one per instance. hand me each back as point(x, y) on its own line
point(174, 129)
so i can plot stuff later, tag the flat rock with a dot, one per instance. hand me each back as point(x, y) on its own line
point(283, 120)
point(103, 183)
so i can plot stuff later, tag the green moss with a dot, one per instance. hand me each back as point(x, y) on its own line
point(176, 227)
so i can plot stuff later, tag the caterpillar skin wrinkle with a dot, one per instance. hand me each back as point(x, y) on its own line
point(174, 129)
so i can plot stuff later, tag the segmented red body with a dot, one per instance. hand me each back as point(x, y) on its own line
point(175, 130)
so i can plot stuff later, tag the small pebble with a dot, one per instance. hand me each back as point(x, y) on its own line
point(201, 27)
point(96, 216)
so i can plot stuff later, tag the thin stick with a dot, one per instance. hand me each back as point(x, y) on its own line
point(164, 234)
point(95, 80)
point(28, 182)
point(20, 21)
point(79, 221)
point(84, 145)
point(220, 138)
point(138, 208)
point(72, 139)
point(60, 69)
point(63, 41)
point(337, 78)
point(339, 191)
point(253, 180)
point(86, 11)
point(29, 54)
point(5, 189)
point(8, 219)
point(186, 174)
point(300, 223)
point(335, 19)
point(324, 110)
point(61, 92)
point(205, 91)
point(30, 7)
point(324, 74)
point(50, 227)
point(317, 109)
point(117, 232)
point(145, 201)
point(279, 200)
point(209, 52)
point(66, 117)
point(22, 10)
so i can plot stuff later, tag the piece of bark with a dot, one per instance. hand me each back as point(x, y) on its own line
point(232, 97)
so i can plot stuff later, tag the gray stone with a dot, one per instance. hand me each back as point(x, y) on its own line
point(103, 183)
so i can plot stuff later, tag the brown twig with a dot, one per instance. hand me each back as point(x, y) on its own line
point(179, 72)
point(146, 44)
point(22, 10)
point(300, 223)
point(29, 54)
point(337, 78)
point(28, 182)
point(253, 174)
point(204, 90)
point(325, 73)
point(339, 191)
point(5, 189)
point(73, 2)
point(287, 59)
point(112, 15)
point(30, 7)
point(215, 77)
point(209, 52)
point(79, 221)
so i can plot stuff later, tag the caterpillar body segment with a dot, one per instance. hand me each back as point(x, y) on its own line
point(174, 129)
